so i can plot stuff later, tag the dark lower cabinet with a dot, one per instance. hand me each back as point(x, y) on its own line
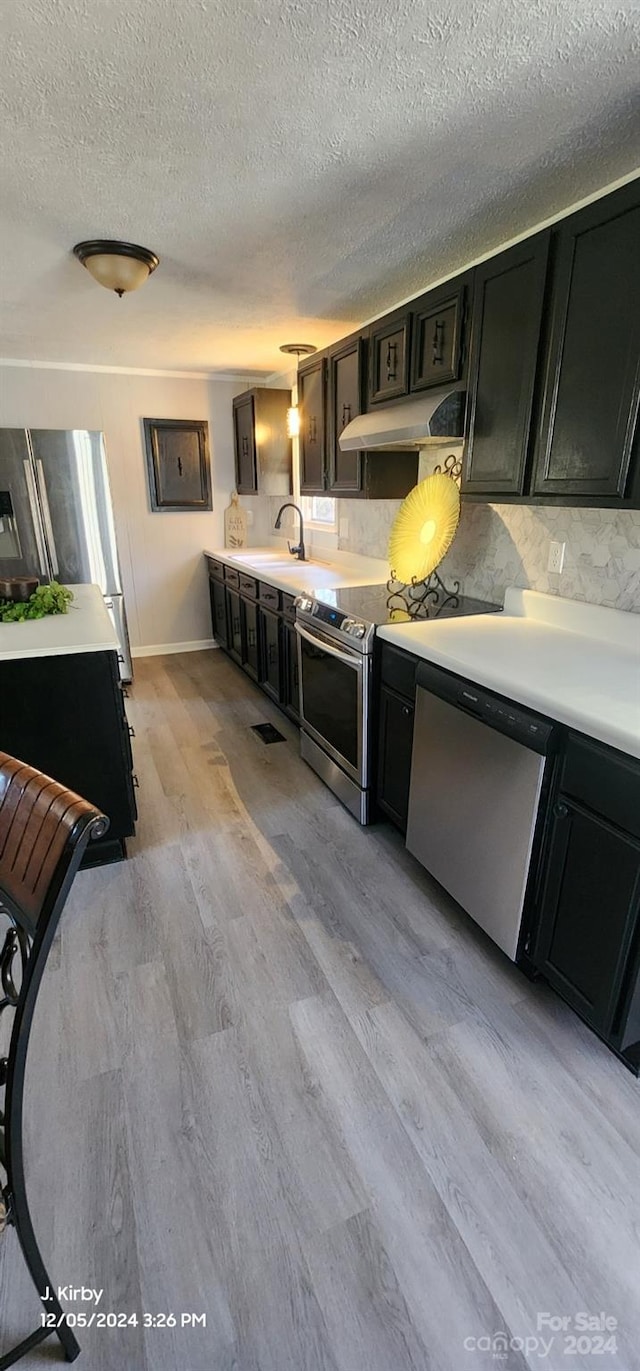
point(219, 612)
point(587, 940)
point(291, 701)
point(396, 701)
point(394, 755)
point(234, 620)
point(249, 637)
point(66, 717)
point(270, 654)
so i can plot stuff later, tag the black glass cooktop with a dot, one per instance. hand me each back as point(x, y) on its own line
point(378, 605)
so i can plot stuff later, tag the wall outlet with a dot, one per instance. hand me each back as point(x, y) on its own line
point(343, 527)
point(556, 557)
point(249, 514)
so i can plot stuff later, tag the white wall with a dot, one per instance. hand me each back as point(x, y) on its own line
point(163, 568)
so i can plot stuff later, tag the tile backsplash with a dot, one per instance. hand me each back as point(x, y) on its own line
point(507, 545)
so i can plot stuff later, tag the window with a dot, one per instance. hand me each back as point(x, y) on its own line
point(321, 510)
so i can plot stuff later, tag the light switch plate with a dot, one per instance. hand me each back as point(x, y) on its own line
point(556, 557)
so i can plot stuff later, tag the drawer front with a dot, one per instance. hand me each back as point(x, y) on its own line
point(398, 670)
point(248, 587)
point(231, 576)
point(215, 569)
point(605, 781)
point(268, 595)
point(289, 606)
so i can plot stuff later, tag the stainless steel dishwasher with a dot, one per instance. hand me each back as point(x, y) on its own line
point(477, 771)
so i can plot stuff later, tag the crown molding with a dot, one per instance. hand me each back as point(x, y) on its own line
point(239, 377)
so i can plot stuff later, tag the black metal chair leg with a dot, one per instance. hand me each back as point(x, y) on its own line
point(21, 1220)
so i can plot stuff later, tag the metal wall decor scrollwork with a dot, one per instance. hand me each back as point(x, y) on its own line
point(427, 598)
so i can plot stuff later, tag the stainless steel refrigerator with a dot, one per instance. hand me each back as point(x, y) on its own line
point(56, 515)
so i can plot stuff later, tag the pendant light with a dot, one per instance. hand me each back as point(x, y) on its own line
point(293, 413)
point(115, 265)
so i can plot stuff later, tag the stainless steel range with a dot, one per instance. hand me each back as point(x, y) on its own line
point(336, 634)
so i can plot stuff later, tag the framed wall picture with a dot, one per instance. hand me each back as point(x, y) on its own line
point(178, 464)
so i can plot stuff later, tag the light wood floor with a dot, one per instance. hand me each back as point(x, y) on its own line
point(278, 1078)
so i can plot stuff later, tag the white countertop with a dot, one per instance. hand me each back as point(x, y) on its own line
point(579, 664)
point(85, 628)
point(285, 572)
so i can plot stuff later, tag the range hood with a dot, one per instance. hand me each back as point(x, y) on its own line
point(430, 419)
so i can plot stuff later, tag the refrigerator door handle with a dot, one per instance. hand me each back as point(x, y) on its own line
point(46, 515)
point(35, 515)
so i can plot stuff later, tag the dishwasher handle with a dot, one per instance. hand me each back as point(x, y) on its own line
point(532, 730)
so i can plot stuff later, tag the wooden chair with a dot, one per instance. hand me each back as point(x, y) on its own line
point(44, 830)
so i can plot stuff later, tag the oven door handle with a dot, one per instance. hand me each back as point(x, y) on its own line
point(350, 659)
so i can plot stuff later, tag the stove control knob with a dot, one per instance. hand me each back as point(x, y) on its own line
point(303, 602)
point(354, 628)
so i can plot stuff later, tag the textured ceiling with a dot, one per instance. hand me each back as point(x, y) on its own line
point(298, 165)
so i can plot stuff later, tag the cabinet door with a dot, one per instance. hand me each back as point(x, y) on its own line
point(395, 741)
point(235, 625)
point(245, 445)
point(590, 906)
point(389, 359)
point(311, 402)
point(507, 316)
point(345, 404)
point(270, 652)
point(219, 612)
point(249, 637)
point(291, 683)
point(436, 343)
point(591, 388)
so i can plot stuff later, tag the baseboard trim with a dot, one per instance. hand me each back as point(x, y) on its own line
point(165, 649)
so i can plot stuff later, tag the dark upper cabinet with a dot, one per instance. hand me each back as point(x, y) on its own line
point(346, 371)
point(312, 406)
point(508, 300)
point(366, 475)
point(389, 342)
point(590, 902)
point(591, 384)
point(244, 444)
point(438, 333)
point(262, 445)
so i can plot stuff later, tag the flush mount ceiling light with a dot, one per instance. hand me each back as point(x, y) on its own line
point(293, 413)
point(115, 265)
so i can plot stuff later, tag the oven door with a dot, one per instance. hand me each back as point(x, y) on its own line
point(333, 700)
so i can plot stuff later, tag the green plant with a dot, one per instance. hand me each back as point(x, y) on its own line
point(49, 599)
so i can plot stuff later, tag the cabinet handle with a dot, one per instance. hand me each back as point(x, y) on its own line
point(438, 343)
point(346, 415)
point(407, 710)
point(135, 780)
point(392, 361)
point(245, 445)
point(132, 731)
point(560, 811)
point(313, 429)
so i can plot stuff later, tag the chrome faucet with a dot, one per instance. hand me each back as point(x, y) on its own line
point(299, 550)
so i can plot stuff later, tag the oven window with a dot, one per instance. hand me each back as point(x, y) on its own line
point(330, 699)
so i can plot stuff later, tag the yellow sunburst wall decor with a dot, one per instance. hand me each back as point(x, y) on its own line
point(424, 528)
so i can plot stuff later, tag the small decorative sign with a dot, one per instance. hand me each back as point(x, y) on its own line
point(235, 523)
